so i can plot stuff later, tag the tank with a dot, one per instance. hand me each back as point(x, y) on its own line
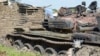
point(66, 20)
point(42, 35)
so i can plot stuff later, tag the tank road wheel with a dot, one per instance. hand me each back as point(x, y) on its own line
point(62, 53)
point(50, 52)
point(28, 47)
point(18, 44)
point(38, 48)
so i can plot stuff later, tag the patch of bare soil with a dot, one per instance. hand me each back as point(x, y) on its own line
point(2, 53)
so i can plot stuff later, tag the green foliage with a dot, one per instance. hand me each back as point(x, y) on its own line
point(12, 52)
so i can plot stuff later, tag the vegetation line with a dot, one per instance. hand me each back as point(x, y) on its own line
point(8, 51)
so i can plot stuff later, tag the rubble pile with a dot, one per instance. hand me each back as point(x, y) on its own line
point(11, 18)
point(8, 17)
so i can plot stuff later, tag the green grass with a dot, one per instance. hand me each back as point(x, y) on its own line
point(13, 52)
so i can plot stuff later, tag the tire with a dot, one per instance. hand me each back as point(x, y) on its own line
point(39, 48)
point(62, 53)
point(50, 52)
point(18, 44)
point(28, 46)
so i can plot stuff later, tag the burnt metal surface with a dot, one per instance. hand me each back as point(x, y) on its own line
point(70, 22)
point(87, 38)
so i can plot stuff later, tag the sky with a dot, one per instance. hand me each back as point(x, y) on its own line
point(56, 4)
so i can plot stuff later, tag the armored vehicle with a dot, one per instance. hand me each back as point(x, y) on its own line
point(51, 38)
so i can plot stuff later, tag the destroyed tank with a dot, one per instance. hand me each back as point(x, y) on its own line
point(47, 39)
point(68, 21)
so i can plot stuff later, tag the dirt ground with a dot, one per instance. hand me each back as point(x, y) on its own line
point(2, 53)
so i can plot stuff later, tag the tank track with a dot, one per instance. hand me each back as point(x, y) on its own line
point(54, 42)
